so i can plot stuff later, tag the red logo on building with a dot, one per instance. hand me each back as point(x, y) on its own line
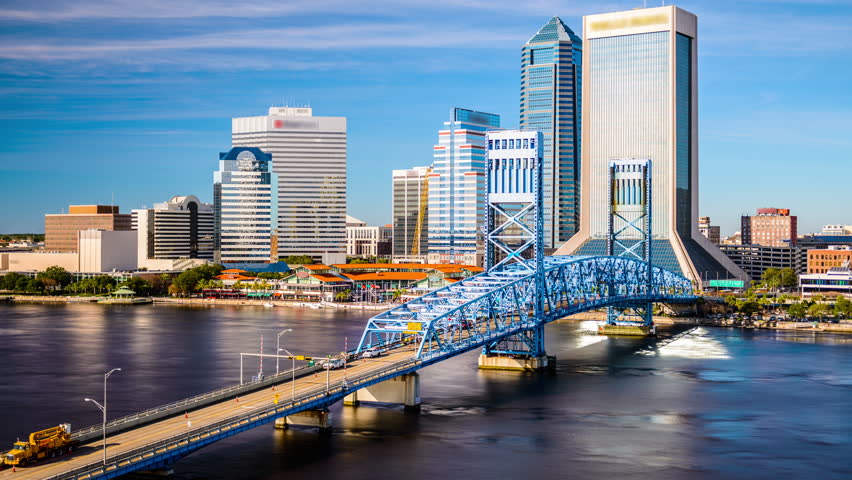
point(278, 124)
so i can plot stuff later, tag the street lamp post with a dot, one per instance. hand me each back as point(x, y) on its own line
point(103, 408)
point(292, 370)
point(278, 347)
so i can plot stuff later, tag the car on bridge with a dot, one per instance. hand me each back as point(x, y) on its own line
point(371, 352)
point(331, 363)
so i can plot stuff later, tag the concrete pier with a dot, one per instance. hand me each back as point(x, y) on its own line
point(309, 418)
point(628, 330)
point(404, 389)
point(525, 364)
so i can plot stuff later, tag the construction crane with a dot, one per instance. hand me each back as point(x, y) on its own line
point(421, 214)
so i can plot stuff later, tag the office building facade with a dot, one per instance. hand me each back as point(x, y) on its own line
point(836, 281)
point(712, 232)
point(773, 227)
point(457, 188)
point(410, 213)
point(823, 260)
point(837, 230)
point(182, 227)
point(61, 231)
point(366, 241)
point(245, 205)
point(755, 259)
point(640, 100)
point(309, 158)
point(551, 82)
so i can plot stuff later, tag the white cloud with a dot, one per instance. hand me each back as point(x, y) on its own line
point(341, 37)
point(51, 11)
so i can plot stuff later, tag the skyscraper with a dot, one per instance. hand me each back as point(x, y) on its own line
point(179, 228)
point(410, 214)
point(641, 101)
point(551, 81)
point(457, 188)
point(309, 157)
point(245, 204)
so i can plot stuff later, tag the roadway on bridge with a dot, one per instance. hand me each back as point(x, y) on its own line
point(91, 453)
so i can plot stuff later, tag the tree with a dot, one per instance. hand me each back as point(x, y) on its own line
point(819, 310)
point(138, 285)
point(33, 285)
point(843, 307)
point(270, 275)
point(55, 278)
point(103, 284)
point(788, 278)
point(797, 310)
point(298, 260)
point(356, 261)
point(343, 295)
point(10, 280)
point(771, 278)
point(398, 293)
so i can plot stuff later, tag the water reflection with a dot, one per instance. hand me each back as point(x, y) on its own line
point(696, 343)
point(714, 403)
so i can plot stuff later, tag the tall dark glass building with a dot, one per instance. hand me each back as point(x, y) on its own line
point(551, 80)
point(641, 101)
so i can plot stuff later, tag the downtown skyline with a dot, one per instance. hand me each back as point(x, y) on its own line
point(88, 116)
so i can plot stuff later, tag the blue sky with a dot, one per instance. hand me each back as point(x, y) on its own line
point(132, 100)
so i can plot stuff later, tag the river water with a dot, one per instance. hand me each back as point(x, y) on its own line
point(711, 403)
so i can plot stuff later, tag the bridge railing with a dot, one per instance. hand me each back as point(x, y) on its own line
point(176, 407)
point(316, 397)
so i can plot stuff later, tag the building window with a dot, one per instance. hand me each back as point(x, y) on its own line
point(532, 143)
point(490, 144)
point(504, 144)
point(526, 143)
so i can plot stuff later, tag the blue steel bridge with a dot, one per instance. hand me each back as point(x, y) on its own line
point(487, 311)
point(502, 311)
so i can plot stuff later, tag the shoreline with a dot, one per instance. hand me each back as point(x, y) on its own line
point(596, 316)
point(204, 302)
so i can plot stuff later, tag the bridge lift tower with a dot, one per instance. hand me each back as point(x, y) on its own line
point(629, 235)
point(514, 235)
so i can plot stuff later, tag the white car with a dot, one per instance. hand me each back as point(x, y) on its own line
point(371, 353)
point(332, 363)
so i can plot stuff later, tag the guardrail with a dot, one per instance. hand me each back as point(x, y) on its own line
point(179, 406)
point(122, 463)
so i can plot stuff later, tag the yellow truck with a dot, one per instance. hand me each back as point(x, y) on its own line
point(42, 444)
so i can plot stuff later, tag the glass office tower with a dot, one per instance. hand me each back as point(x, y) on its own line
point(551, 76)
point(457, 188)
point(640, 101)
point(245, 205)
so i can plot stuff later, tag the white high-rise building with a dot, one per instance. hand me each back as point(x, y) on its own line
point(309, 157)
point(245, 206)
point(457, 188)
point(180, 228)
point(640, 100)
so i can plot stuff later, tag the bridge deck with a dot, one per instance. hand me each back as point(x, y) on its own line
point(90, 453)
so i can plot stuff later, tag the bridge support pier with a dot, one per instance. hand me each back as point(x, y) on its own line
point(404, 389)
point(525, 364)
point(521, 352)
point(309, 418)
point(629, 320)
